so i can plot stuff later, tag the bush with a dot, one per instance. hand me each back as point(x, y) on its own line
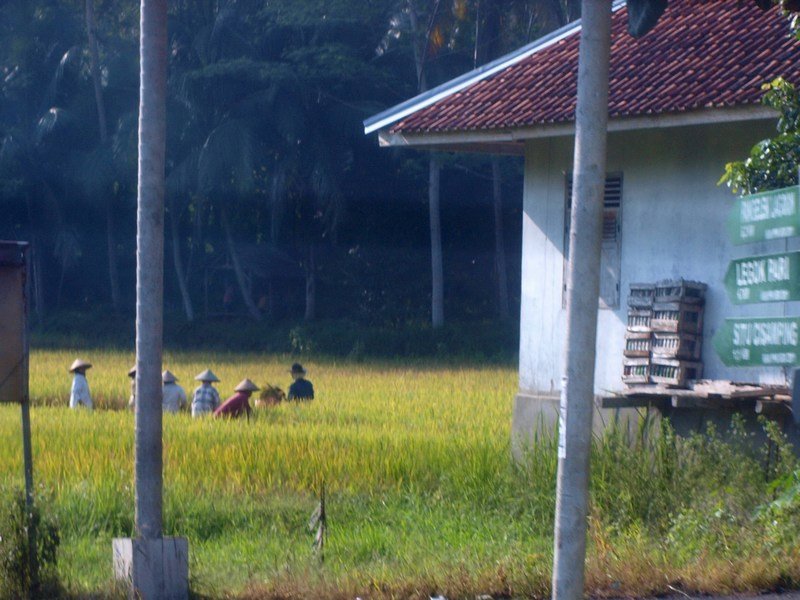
point(472, 340)
point(18, 577)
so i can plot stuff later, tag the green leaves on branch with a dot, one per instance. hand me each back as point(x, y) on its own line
point(773, 162)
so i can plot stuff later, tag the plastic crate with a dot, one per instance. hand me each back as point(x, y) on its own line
point(674, 372)
point(677, 316)
point(641, 295)
point(685, 346)
point(680, 290)
point(636, 370)
point(637, 345)
point(639, 320)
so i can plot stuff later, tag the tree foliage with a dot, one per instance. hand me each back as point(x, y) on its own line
point(773, 163)
point(265, 107)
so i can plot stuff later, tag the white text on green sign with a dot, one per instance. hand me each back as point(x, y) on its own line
point(766, 216)
point(759, 341)
point(768, 278)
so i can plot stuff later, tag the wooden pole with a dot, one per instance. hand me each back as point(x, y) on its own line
point(27, 453)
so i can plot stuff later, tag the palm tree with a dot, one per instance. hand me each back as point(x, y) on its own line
point(38, 122)
point(91, 31)
point(425, 36)
point(150, 268)
point(279, 91)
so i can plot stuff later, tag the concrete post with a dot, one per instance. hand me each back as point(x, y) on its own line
point(154, 567)
point(583, 286)
point(150, 267)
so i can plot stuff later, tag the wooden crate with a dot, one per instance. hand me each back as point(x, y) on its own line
point(674, 372)
point(641, 295)
point(636, 370)
point(637, 345)
point(680, 290)
point(677, 316)
point(685, 346)
point(639, 319)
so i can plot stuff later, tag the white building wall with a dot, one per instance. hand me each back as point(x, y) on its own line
point(673, 225)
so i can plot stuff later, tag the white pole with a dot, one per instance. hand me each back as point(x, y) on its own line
point(583, 286)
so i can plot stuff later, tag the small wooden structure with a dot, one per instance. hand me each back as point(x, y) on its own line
point(14, 270)
point(13, 322)
point(768, 400)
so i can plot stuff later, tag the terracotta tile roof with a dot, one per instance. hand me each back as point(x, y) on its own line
point(702, 54)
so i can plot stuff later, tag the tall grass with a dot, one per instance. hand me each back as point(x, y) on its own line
point(423, 495)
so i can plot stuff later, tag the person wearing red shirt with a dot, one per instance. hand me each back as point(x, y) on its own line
point(238, 404)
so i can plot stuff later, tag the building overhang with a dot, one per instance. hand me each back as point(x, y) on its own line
point(512, 140)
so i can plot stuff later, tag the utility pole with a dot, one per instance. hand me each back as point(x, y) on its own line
point(152, 566)
point(583, 286)
point(150, 268)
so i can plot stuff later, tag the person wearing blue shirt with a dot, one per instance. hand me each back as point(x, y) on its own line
point(301, 389)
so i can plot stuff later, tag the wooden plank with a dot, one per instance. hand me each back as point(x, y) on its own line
point(760, 392)
point(655, 391)
point(632, 402)
point(712, 402)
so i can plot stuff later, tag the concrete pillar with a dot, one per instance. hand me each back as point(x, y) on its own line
point(153, 569)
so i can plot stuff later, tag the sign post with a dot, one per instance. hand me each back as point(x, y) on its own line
point(763, 341)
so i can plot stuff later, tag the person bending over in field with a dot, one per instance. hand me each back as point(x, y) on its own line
point(270, 396)
point(79, 395)
point(301, 389)
point(238, 404)
point(132, 375)
point(173, 395)
point(206, 397)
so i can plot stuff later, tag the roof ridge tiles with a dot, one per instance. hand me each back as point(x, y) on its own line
point(698, 55)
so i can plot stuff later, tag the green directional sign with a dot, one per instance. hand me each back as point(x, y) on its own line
point(766, 216)
point(759, 342)
point(768, 278)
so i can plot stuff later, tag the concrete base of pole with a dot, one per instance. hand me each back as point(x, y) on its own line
point(153, 569)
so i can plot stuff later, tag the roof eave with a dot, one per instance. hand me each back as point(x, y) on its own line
point(417, 103)
point(507, 138)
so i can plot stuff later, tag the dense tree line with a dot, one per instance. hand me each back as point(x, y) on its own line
point(277, 204)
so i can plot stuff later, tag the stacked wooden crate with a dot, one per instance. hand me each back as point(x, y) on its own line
point(639, 337)
point(663, 343)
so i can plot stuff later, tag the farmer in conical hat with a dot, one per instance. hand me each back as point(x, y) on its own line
point(238, 405)
point(301, 389)
point(206, 397)
point(79, 395)
point(174, 396)
point(132, 375)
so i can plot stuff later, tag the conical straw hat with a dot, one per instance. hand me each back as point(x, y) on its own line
point(245, 385)
point(132, 371)
point(206, 375)
point(79, 363)
point(168, 377)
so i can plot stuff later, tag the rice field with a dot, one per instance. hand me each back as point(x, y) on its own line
point(422, 495)
point(388, 440)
